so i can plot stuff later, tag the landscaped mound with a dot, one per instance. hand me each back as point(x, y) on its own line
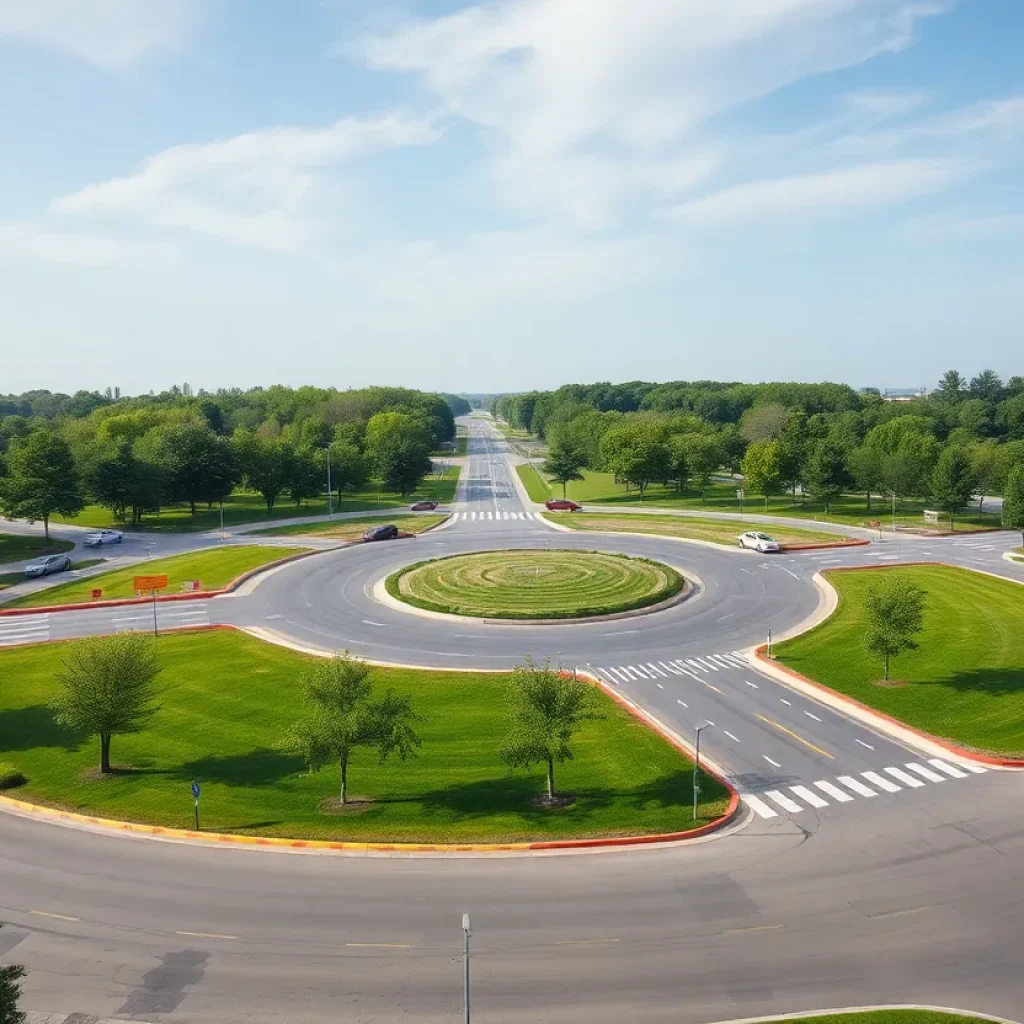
point(530, 584)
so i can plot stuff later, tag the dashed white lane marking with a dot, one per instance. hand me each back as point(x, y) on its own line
point(684, 705)
point(811, 797)
point(770, 761)
point(926, 773)
point(810, 715)
point(750, 684)
point(905, 778)
point(881, 782)
point(856, 785)
point(863, 744)
point(951, 770)
point(735, 739)
point(833, 791)
point(786, 702)
point(783, 801)
point(759, 807)
point(659, 685)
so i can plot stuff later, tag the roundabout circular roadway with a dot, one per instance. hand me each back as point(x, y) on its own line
point(883, 897)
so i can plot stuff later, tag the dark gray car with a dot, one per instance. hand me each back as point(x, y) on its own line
point(387, 532)
point(50, 564)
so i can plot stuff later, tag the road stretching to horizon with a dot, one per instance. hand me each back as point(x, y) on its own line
point(866, 871)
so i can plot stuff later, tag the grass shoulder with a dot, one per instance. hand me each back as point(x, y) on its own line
point(225, 700)
point(717, 531)
point(885, 1017)
point(213, 567)
point(536, 486)
point(965, 683)
point(16, 547)
point(353, 529)
point(535, 584)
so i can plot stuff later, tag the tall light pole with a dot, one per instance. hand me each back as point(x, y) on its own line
point(696, 766)
point(330, 492)
point(466, 933)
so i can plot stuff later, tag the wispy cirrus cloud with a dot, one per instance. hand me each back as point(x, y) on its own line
point(252, 189)
point(78, 249)
point(113, 34)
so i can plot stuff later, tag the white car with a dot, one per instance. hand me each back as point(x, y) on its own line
point(758, 542)
point(101, 537)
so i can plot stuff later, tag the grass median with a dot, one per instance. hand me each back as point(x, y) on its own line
point(215, 568)
point(226, 699)
point(16, 547)
point(535, 584)
point(718, 531)
point(885, 1017)
point(353, 529)
point(965, 683)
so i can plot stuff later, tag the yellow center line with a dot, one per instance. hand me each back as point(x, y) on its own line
point(379, 945)
point(584, 942)
point(56, 917)
point(206, 935)
point(710, 686)
point(799, 739)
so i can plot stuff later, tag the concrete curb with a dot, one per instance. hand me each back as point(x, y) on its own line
point(877, 720)
point(198, 595)
point(1013, 559)
point(108, 826)
point(779, 1018)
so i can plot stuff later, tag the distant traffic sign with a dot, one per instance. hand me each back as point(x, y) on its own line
point(195, 789)
point(143, 583)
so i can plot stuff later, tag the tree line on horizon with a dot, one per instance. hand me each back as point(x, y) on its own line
point(819, 440)
point(138, 455)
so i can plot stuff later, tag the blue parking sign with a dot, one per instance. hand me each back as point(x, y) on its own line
point(195, 789)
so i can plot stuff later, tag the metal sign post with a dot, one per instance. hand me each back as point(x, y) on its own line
point(195, 797)
point(466, 933)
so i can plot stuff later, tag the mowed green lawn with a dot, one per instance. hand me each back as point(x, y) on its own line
point(717, 531)
point(965, 683)
point(850, 510)
point(534, 584)
point(226, 701)
point(886, 1017)
point(353, 529)
point(248, 507)
point(15, 547)
point(214, 568)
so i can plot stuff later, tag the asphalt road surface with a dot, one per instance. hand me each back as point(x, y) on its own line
point(866, 871)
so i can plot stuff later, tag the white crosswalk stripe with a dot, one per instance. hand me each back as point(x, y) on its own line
point(809, 795)
point(759, 807)
point(951, 770)
point(926, 773)
point(856, 785)
point(904, 777)
point(881, 782)
point(783, 801)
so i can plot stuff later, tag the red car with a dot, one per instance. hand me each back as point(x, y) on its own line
point(562, 505)
point(423, 506)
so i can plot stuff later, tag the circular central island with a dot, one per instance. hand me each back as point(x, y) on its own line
point(536, 585)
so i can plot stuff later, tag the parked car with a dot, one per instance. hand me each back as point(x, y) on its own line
point(562, 505)
point(423, 506)
point(386, 532)
point(759, 541)
point(101, 537)
point(50, 564)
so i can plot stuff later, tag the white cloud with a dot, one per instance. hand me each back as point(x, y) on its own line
point(880, 105)
point(579, 94)
point(253, 189)
point(866, 185)
point(952, 226)
point(112, 34)
point(81, 250)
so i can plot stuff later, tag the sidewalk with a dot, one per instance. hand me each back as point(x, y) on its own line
point(34, 1017)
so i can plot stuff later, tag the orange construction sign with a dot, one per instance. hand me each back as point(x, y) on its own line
point(143, 583)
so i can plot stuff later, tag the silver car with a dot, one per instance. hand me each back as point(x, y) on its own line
point(101, 537)
point(758, 541)
point(50, 564)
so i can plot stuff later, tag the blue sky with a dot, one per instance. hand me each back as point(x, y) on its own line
point(508, 194)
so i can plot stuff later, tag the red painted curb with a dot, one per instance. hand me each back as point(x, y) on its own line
point(820, 547)
point(196, 595)
point(969, 755)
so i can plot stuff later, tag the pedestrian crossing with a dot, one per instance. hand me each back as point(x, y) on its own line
point(705, 665)
point(24, 629)
point(844, 789)
point(489, 515)
point(39, 628)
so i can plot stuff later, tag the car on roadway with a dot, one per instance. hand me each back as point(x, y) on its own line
point(562, 505)
point(386, 532)
point(423, 506)
point(757, 541)
point(101, 537)
point(46, 566)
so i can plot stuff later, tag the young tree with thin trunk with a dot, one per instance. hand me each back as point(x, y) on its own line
point(564, 463)
point(893, 616)
point(1013, 500)
point(826, 472)
point(546, 708)
point(762, 469)
point(10, 994)
point(107, 688)
point(342, 716)
point(953, 480)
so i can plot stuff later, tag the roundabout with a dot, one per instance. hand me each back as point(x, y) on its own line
point(535, 584)
point(898, 898)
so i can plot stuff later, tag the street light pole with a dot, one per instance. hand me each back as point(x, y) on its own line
point(330, 492)
point(466, 931)
point(696, 767)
